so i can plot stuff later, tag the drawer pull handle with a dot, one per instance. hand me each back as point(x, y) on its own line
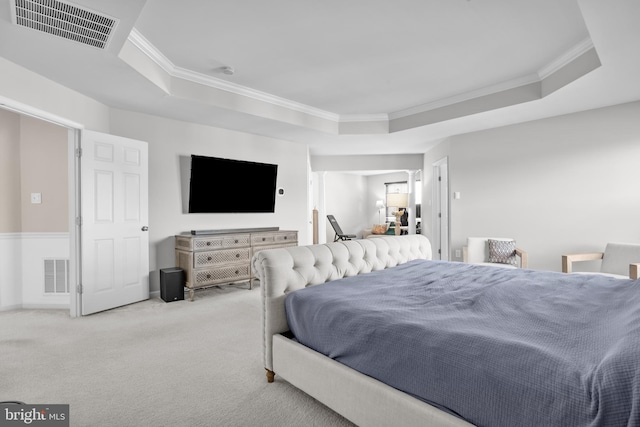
point(208, 258)
point(208, 276)
point(208, 243)
point(237, 255)
point(236, 241)
point(285, 237)
point(264, 238)
point(237, 272)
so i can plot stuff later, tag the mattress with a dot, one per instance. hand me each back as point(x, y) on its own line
point(496, 347)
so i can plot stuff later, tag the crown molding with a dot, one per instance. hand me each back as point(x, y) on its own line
point(138, 40)
point(557, 64)
point(237, 89)
point(467, 96)
point(152, 52)
point(566, 58)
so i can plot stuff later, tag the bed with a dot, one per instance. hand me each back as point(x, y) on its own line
point(384, 335)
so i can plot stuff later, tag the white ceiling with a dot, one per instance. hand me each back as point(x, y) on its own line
point(348, 77)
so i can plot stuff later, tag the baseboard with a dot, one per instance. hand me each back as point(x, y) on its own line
point(35, 307)
point(45, 307)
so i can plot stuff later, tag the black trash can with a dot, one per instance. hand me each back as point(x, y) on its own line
point(172, 284)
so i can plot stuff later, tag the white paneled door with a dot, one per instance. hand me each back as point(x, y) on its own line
point(114, 224)
point(440, 209)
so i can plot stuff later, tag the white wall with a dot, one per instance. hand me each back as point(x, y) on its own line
point(10, 271)
point(559, 185)
point(26, 88)
point(171, 142)
point(346, 198)
point(375, 162)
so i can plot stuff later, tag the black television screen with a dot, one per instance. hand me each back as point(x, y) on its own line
point(231, 186)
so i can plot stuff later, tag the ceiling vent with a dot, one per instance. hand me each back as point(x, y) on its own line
point(64, 20)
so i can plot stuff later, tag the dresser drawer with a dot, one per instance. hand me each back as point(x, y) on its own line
point(224, 256)
point(210, 276)
point(207, 243)
point(274, 238)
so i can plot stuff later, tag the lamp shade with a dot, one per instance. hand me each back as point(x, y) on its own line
point(379, 204)
point(398, 200)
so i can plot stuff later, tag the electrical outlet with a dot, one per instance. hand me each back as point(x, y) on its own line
point(458, 253)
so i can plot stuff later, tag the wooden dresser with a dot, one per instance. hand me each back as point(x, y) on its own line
point(221, 257)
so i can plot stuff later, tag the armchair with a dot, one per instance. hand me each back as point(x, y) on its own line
point(619, 260)
point(494, 251)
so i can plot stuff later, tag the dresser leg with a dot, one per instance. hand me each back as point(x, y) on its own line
point(191, 293)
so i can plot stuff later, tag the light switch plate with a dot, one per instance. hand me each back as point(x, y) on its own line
point(36, 197)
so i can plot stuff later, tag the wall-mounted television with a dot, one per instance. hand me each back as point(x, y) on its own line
point(220, 185)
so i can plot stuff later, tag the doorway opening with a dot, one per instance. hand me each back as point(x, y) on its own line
point(47, 212)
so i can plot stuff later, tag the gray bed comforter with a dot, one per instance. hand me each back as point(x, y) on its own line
point(496, 347)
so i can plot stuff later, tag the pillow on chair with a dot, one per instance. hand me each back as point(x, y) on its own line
point(379, 228)
point(502, 252)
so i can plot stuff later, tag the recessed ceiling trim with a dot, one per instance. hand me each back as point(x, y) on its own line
point(150, 50)
point(565, 59)
point(467, 96)
point(364, 117)
point(65, 20)
point(252, 93)
point(462, 104)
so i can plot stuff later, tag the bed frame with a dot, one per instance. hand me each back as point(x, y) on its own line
point(359, 398)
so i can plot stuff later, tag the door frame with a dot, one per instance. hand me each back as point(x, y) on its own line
point(73, 169)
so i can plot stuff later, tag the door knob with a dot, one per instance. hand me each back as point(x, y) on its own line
point(145, 228)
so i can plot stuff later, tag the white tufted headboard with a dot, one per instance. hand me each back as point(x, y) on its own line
point(287, 269)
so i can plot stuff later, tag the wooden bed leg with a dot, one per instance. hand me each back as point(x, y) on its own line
point(270, 375)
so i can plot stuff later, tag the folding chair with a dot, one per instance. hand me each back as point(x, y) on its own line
point(339, 234)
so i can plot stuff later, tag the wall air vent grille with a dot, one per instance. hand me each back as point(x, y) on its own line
point(64, 20)
point(56, 276)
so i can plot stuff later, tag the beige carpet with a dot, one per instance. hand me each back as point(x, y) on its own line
point(153, 364)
